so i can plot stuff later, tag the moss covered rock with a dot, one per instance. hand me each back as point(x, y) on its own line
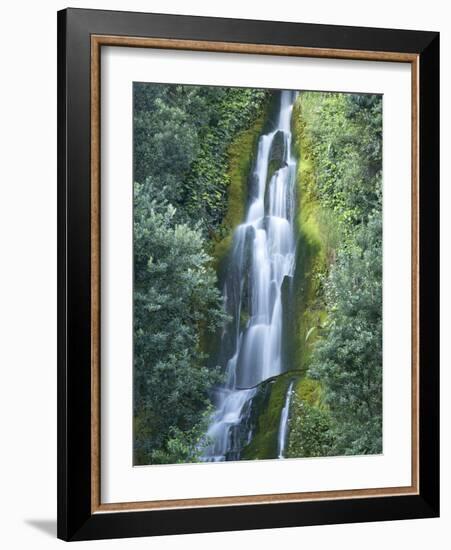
point(265, 416)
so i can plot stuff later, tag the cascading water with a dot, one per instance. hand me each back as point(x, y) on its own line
point(283, 428)
point(263, 256)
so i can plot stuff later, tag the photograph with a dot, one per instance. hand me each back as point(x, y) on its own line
point(226, 292)
point(257, 276)
point(248, 272)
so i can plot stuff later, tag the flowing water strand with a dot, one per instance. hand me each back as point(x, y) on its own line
point(262, 257)
point(283, 428)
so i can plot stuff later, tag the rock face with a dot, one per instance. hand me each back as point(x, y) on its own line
point(277, 152)
point(276, 160)
point(262, 257)
point(259, 437)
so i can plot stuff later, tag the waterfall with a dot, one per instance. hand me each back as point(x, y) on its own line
point(262, 257)
point(283, 428)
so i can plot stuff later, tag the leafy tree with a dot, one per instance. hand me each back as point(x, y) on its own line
point(348, 360)
point(175, 298)
point(181, 140)
point(166, 141)
point(207, 184)
point(311, 431)
point(345, 134)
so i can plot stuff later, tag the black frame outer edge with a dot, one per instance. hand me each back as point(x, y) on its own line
point(75, 521)
point(61, 277)
point(429, 177)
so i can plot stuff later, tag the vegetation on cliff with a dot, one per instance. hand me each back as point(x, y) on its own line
point(192, 148)
point(339, 144)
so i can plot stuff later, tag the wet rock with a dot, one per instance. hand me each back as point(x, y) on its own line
point(277, 152)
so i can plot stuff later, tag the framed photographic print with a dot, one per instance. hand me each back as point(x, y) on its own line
point(248, 274)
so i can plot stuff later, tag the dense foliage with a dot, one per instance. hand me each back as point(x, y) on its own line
point(174, 294)
point(310, 434)
point(181, 139)
point(348, 360)
point(192, 153)
point(344, 137)
point(182, 135)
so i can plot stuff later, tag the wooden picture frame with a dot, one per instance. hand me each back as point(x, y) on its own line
point(81, 35)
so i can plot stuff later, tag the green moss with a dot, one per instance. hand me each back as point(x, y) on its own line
point(304, 304)
point(309, 391)
point(317, 237)
point(267, 407)
point(241, 155)
point(316, 241)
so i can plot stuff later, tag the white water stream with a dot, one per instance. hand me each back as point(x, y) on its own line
point(263, 256)
point(283, 428)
